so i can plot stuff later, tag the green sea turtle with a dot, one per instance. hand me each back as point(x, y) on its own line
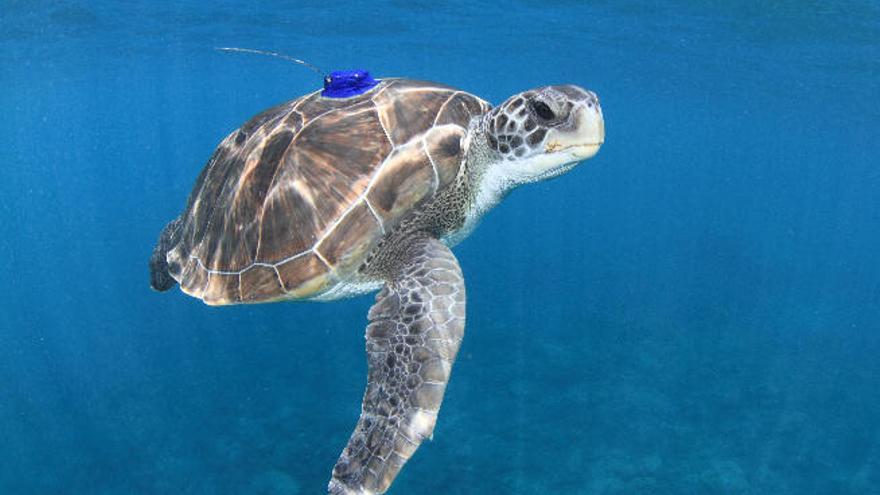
point(324, 197)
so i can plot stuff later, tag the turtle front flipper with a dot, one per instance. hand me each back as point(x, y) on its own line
point(415, 329)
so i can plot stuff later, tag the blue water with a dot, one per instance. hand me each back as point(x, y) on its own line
point(696, 310)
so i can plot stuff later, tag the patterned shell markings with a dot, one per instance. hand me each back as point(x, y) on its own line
point(292, 202)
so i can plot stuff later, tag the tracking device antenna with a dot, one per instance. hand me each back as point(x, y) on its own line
point(337, 84)
point(271, 54)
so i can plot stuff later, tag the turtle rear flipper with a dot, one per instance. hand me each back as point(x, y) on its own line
point(160, 279)
point(415, 329)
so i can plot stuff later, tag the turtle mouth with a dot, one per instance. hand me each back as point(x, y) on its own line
point(577, 152)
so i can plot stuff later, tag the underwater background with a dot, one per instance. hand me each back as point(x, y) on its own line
point(695, 310)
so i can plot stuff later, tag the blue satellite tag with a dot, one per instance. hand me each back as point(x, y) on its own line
point(347, 83)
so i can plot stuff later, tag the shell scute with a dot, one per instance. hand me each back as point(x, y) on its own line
point(265, 120)
point(222, 288)
point(257, 281)
point(206, 193)
point(458, 110)
point(294, 120)
point(407, 111)
point(256, 179)
point(335, 157)
point(290, 224)
point(444, 147)
point(231, 241)
point(303, 275)
point(196, 277)
point(405, 179)
point(314, 105)
point(348, 242)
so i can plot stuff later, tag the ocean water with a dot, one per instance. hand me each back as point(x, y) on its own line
point(696, 310)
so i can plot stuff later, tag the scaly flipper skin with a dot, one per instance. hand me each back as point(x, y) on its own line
point(160, 279)
point(415, 329)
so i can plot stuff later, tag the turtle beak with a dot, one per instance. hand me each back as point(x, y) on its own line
point(582, 138)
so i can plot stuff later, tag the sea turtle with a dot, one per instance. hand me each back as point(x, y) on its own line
point(325, 197)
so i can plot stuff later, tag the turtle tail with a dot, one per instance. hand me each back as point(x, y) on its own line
point(160, 279)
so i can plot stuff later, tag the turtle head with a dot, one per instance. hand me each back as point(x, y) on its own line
point(542, 133)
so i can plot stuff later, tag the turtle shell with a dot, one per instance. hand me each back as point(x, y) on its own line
point(290, 204)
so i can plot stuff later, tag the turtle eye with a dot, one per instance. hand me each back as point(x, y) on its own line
point(328, 80)
point(543, 110)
